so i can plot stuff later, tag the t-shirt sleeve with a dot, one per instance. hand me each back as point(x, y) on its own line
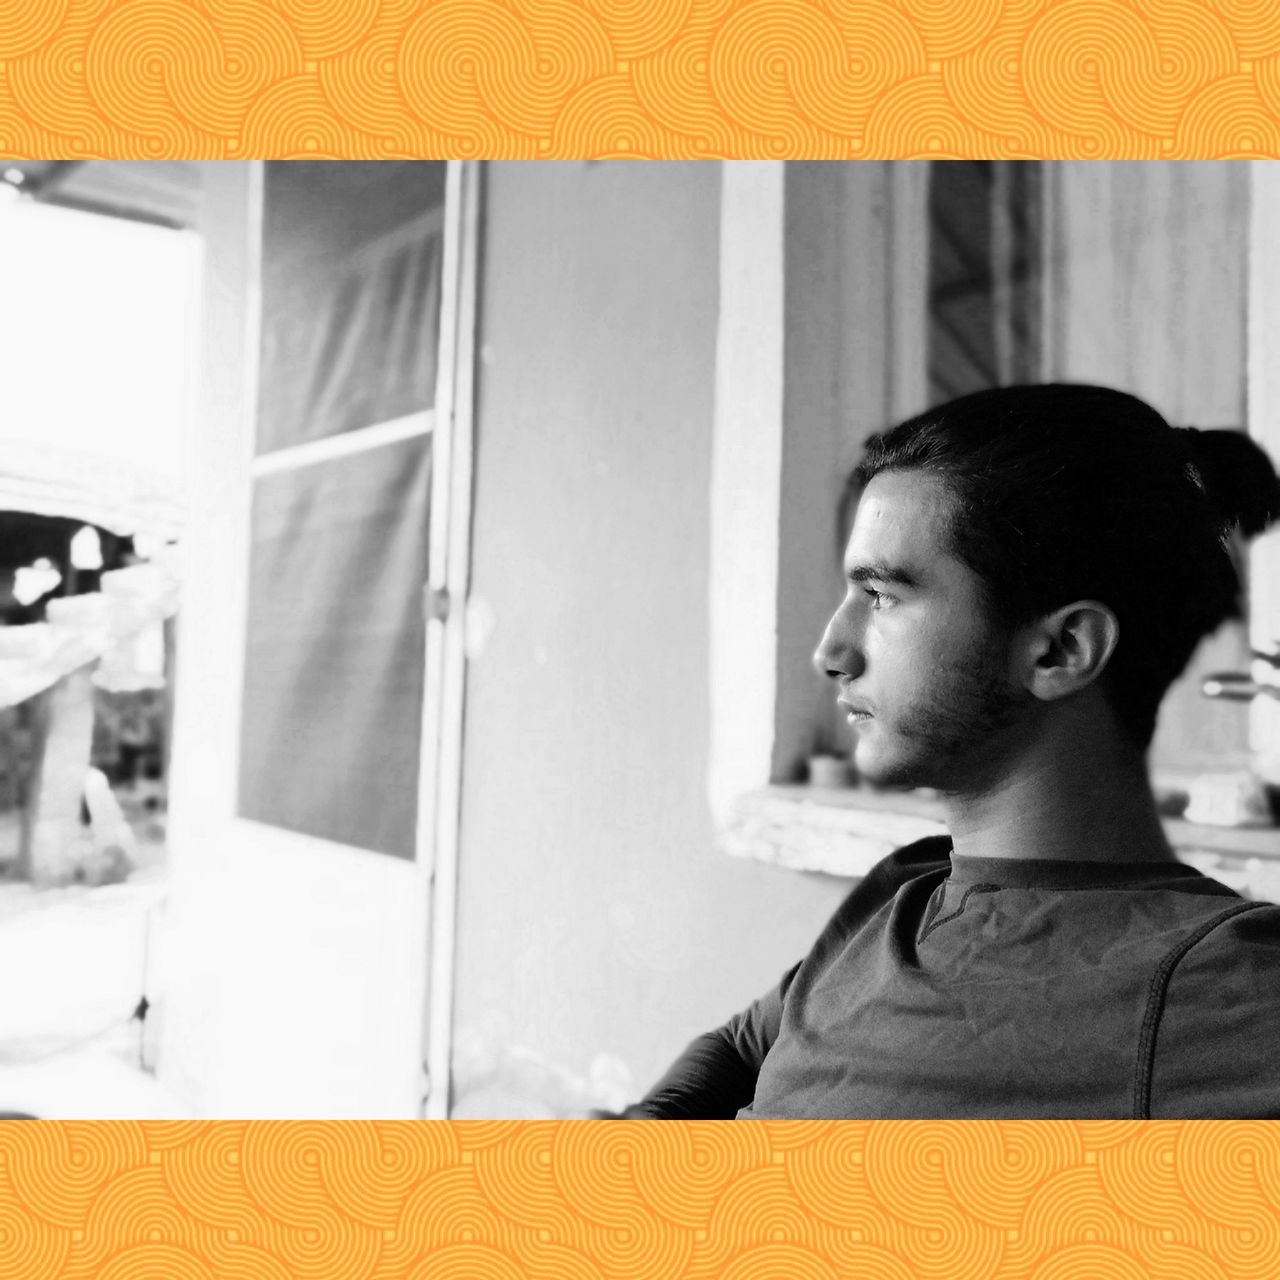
point(715, 1077)
point(1215, 1052)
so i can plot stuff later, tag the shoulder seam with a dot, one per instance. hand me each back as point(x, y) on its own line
point(1157, 993)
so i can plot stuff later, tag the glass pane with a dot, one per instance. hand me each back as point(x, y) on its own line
point(350, 296)
point(984, 276)
point(334, 653)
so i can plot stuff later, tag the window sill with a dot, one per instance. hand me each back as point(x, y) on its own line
point(846, 831)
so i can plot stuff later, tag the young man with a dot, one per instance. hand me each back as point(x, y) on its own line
point(1029, 569)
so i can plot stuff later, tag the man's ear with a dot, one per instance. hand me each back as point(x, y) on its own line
point(1068, 649)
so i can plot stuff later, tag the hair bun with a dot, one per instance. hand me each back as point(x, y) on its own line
point(1237, 476)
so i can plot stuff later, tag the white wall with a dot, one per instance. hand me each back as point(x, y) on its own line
point(598, 928)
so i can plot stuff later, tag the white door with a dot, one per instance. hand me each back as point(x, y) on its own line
point(320, 672)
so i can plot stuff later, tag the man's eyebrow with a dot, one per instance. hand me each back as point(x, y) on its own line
point(881, 572)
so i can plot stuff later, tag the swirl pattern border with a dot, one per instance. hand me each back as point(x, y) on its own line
point(673, 79)
point(116, 1200)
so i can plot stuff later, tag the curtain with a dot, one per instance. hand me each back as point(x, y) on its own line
point(353, 345)
point(332, 707)
point(350, 296)
point(334, 649)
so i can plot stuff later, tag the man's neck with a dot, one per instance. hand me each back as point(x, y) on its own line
point(1074, 794)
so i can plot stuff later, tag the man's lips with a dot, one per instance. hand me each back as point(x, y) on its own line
point(853, 709)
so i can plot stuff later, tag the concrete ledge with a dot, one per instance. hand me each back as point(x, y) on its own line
point(838, 832)
point(845, 832)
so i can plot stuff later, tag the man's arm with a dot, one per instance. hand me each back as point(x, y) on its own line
point(715, 1077)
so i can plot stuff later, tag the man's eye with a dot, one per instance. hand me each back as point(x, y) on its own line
point(878, 598)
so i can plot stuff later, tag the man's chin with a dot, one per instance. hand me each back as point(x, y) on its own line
point(875, 770)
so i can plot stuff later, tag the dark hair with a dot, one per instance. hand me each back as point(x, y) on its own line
point(1064, 492)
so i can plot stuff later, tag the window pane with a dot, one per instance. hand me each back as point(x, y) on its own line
point(350, 296)
point(334, 652)
point(984, 276)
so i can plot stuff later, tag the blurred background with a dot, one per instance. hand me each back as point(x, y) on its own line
point(411, 570)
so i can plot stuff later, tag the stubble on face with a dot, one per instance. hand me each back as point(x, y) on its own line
point(953, 731)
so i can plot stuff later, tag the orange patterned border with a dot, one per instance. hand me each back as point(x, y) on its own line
point(749, 1201)
point(546, 79)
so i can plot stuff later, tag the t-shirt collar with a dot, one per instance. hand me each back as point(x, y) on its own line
point(1053, 873)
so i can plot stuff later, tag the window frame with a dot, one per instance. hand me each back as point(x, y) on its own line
point(751, 801)
point(457, 260)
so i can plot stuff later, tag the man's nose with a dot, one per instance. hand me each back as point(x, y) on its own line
point(839, 652)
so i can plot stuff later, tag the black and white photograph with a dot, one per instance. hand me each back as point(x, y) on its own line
point(609, 640)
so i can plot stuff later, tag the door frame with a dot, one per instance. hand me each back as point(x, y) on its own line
point(255, 870)
point(444, 685)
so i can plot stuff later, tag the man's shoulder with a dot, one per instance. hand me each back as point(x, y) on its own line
point(1240, 930)
point(1230, 959)
point(930, 856)
point(927, 858)
point(932, 853)
point(1214, 1014)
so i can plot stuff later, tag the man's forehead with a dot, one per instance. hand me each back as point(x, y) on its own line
point(901, 516)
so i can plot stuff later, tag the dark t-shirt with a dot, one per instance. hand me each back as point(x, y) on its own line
point(960, 987)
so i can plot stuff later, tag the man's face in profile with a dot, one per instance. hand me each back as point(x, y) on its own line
point(924, 674)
